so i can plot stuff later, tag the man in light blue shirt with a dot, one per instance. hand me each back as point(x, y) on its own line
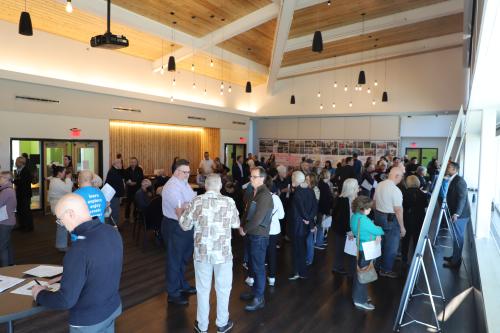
point(94, 198)
point(176, 195)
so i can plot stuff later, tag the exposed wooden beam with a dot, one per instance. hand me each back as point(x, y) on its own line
point(382, 23)
point(283, 25)
point(354, 59)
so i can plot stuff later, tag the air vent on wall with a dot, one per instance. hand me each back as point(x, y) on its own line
point(197, 118)
point(127, 109)
point(239, 123)
point(36, 99)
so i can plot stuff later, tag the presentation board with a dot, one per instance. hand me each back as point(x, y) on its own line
point(290, 152)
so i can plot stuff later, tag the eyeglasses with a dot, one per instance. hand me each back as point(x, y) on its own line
point(254, 177)
point(185, 172)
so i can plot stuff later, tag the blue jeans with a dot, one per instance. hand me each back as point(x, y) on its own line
point(257, 252)
point(359, 290)
point(179, 245)
point(390, 240)
point(320, 236)
point(310, 248)
point(105, 326)
point(458, 239)
point(6, 256)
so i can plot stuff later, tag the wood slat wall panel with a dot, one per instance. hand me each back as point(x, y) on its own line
point(156, 145)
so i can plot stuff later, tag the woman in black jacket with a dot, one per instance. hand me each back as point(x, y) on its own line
point(414, 204)
point(367, 181)
point(324, 207)
point(302, 209)
point(341, 223)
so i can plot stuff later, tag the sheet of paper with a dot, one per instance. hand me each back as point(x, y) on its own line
point(7, 282)
point(366, 185)
point(372, 250)
point(45, 271)
point(350, 246)
point(26, 289)
point(108, 192)
point(375, 184)
point(3, 213)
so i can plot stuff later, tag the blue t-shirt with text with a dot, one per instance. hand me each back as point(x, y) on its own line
point(95, 201)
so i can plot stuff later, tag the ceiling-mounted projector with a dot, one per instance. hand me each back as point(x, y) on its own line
point(108, 40)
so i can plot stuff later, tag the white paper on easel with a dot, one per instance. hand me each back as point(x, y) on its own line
point(372, 250)
point(3, 213)
point(350, 246)
point(7, 282)
point(108, 191)
point(26, 289)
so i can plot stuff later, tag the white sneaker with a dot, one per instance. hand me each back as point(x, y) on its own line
point(249, 281)
point(365, 306)
point(271, 281)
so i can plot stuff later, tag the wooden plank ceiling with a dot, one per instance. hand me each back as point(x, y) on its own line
point(50, 16)
point(383, 38)
point(344, 12)
point(194, 17)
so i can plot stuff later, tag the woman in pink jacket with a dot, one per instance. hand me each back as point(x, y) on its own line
point(8, 205)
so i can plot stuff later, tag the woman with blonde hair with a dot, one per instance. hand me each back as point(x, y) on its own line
point(341, 218)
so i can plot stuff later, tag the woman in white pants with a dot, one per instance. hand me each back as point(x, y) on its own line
point(60, 184)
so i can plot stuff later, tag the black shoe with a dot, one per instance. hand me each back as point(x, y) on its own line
point(257, 303)
point(197, 329)
point(248, 296)
point(338, 271)
point(179, 300)
point(189, 291)
point(449, 264)
point(226, 328)
point(447, 258)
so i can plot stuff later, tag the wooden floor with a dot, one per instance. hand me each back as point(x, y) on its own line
point(320, 304)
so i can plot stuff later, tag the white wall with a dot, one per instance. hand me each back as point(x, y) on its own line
point(41, 126)
point(427, 126)
point(421, 83)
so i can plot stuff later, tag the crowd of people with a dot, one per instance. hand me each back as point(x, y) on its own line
point(270, 205)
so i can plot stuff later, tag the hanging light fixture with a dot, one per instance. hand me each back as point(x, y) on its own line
point(171, 98)
point(385, 97)
point(345, 88)
point(369, 90)
point(374, 102)
point(292, 99)
point(25, 26)
point(350, 104)
point(173, 81)
point(171, 60)
point(362, 76)
point(192, 67)
point(317, 45)
point(318, 94)
point(375, 83)
point(333, 105)
point(248, 87)
point(69, 6)
point(211, 63)
point(229, 89)
point(205, 92)
point(321, 106)
point(335, 84)
point(329, 2)
point(194, 85)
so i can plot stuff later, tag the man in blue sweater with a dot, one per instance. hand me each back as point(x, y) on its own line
point(91, 271)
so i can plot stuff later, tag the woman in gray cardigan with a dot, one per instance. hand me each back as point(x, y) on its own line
point(8, 205)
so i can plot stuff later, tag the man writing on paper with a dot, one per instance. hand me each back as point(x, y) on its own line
point(92, 270)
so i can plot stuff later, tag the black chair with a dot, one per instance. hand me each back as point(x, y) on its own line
point(151, 221)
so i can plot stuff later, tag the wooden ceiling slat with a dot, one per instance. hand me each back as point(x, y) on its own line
point(345, 12)
point(260, 39)
point(159, 10)
point(384, 38)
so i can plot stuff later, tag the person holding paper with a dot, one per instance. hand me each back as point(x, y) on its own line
point(361, 225)
point(60, 184)
point(91, 271)
point(8, 205)
point(176, 195)
point(341, 229)
point(115, 179)
point(94, 198)
point(367, 183)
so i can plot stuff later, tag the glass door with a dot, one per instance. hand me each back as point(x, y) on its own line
point(427, 155)
point(86, 156)
point(232, 151)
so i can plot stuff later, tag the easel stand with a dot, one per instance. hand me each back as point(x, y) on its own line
point(446, 213)
point(413, 278)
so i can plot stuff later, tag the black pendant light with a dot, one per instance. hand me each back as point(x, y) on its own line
point(317, 42)
point(248, 88)
point(362, 77)
point(25, 27)
point(292, 99)
point(385, 98)
point(171, 64)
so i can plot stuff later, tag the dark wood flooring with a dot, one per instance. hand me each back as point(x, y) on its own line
point(320, 304)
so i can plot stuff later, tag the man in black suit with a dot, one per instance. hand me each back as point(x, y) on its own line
point(458, 204)
point(345, 172)
point(239, 171)
point(22, 182)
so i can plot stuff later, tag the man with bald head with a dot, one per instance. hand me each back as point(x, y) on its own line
point(96, 202)
point(388, 200)
point(92, 269)
point(115, 179)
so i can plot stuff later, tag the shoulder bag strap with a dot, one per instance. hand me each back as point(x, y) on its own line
point(358, 242)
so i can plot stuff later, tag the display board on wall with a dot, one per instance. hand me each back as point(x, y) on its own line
point(290, 152)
